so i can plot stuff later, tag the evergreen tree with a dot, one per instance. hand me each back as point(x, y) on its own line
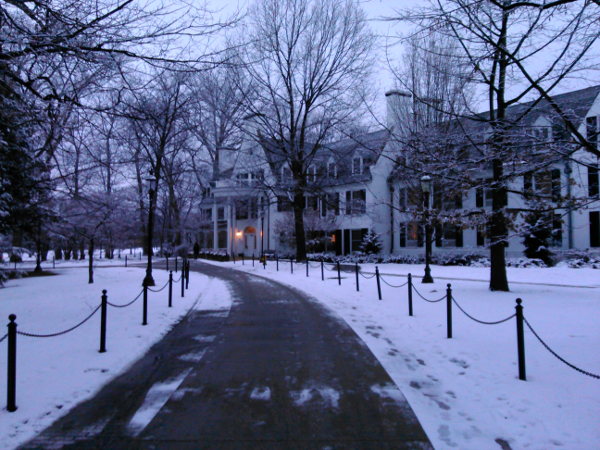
point(371, 243)
point(537, 238)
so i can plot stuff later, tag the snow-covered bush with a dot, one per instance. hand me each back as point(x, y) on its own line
point(577, 259)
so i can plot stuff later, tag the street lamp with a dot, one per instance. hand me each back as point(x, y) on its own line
point(426, 187)
point(151, 183)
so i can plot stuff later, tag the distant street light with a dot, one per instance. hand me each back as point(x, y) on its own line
point(151, 183)
point(426, 187)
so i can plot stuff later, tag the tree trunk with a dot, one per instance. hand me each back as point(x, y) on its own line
point(91, 262)
point(498, 279)
point(299, 226)
point(82, 250)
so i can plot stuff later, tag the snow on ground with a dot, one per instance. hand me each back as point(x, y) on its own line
point(465, 391)
point(54, 374)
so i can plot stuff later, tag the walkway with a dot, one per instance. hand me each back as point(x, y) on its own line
point(279, 372)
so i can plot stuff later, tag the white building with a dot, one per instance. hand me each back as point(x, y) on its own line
point(355, 189)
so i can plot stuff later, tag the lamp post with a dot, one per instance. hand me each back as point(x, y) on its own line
point(152, 182)
point(426, 187)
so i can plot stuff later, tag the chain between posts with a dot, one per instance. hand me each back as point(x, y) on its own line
point(3, 337)
point(392, 285)
point(126, 304)
point(366, 277)
point(481, 321)
point(158, 290)
point(556, 355)
point(430, 301)
point(22, 333)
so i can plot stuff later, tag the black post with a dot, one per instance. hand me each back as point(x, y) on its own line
point(264, 261)
point(520, 340)
point(167, 258)
point(182, 283)
point(339, 274)
point(103, 323)
point(54, 262)
point(322, 272)
point(170, 288)
point(140, 255)
point(11, 384)
point(176, 264)
point(277, 259)
point(125, 260)
point(292, 264)
point(252, 259)
point(145, 318)
point(307, 267)
point(233, 257)
point(449, 309)
point(187, 274)
point(378, 282)
point(410, 311)
point(243, 260)
point(356, 270)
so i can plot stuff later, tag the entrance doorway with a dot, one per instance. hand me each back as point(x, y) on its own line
point(250, 242)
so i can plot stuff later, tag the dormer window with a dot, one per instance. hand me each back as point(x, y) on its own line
point(311, 174)
point(357, 166)
point(331, 170)
point(286, 174)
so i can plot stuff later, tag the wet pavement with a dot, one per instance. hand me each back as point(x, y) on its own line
point(278, 372)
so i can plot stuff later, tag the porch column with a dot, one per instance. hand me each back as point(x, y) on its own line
point(215, 212)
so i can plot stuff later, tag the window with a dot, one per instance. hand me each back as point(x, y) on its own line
point(546, 183)
point(593, 182)
point(311, 174)
point(412, 234)
point(357, 238)
point(356, 202)
point(221, 213)
point(311, 203)
point(356, 166)
point(286, 175)
point(402, 198)
point(330, 203)
point(448, 235)
point(480, 236)
point(331, 170)
point(479, 197)
point(207, 214)
point(241, 210)
point(283, 204)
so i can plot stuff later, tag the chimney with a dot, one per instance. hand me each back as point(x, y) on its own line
point(398, 106)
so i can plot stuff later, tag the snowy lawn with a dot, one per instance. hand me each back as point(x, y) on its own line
point(465, 390)
point(54, 374)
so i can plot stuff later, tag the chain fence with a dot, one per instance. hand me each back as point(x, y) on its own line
point(481, 321)
point(162, 288)
point(430, 301)
point(3, 337)
point(366, 277)
point(556, 354)
point(126, 304)
point(392, 285)
point(22, 333)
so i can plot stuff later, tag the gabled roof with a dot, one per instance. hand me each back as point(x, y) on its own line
point(575, 104)
point(368, 146)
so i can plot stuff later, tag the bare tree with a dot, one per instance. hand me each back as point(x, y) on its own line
point(309, 63)
point(514, 52)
